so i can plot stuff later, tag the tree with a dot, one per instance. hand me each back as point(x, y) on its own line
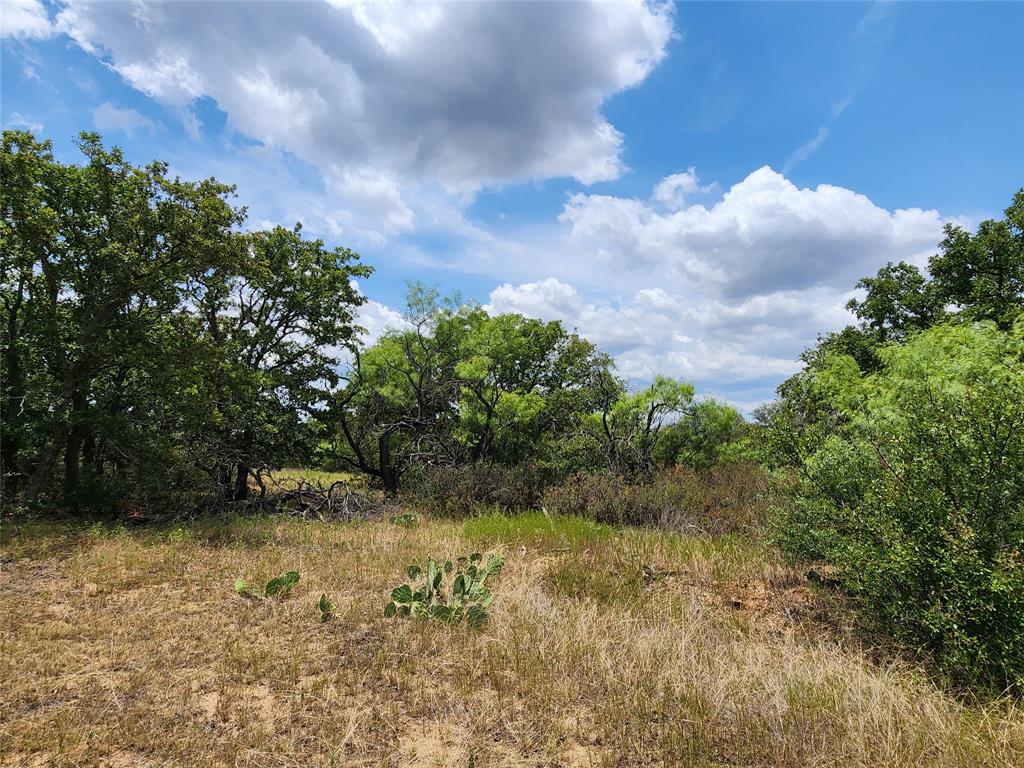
point(94, 255)
point(145, 336)
point(918, 496)
point(701, 435)
point(899, 300)
point(627, 428)
point(275, 327)
point(983, 274)
point(399, 403)
point(522, 382)
point(459, 387)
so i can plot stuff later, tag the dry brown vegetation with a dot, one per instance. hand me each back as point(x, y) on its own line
point(603, 648)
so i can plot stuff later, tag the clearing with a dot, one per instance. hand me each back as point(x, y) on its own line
point(603, 648)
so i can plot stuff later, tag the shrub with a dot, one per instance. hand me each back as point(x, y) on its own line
point(459, 491)
point(919, 499)
point(726, 498)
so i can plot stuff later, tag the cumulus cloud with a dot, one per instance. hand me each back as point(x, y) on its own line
point(764, 235)
point(376, 319)
point(108, 117)
point(518, 97)
point(673, 190)
point(24, 19)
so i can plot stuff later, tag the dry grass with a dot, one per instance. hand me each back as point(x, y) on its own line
point(604, 648)
point(290, 475)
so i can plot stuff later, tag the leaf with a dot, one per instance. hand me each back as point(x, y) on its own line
point(390, 610)
point(476, 557)
point(282, 584)
point(494, 564)
point(442, 612)
point(448, 566)
point(326, 606)
point(414, 571)
point(459, 585)
point(241, 587)
point(402, 594)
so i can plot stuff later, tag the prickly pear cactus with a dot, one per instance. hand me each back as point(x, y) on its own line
point(464, 596)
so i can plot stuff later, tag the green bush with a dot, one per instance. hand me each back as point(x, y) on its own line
point(919, 498)
point(726, 498)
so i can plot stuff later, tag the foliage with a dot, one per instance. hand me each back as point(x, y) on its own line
point(455, 386)
point(919, 497)
point(726, 498)
point(624, 434)
point(460, 490)
point(147, 341)
point(465, 597)
point(706, 433)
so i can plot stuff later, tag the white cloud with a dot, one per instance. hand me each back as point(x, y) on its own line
point(191, 123)
point(673, 190)
point(375, 196)
point(108, 117)
point(654, 331)
point(376, 319)
point(764, 235)
point(25, 19)
point(461, 94)
point(19, 121)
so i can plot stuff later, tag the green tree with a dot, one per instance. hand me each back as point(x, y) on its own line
point(627, 429)
point(94, 255)
point(899, 300)
point(701, 436)
point(983, 274)
point(523, 383)
point(399, 402)
point(275, 326)
point(919, 495)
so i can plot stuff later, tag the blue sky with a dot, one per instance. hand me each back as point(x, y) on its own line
point(694, 187)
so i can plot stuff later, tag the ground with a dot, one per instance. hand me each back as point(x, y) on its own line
point(603, 648)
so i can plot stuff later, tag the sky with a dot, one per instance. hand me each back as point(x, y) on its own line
point(696, 187)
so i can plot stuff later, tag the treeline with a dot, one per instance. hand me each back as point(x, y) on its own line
point(157, 352)
point(904, 438)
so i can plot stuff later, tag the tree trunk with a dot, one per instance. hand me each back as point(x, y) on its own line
point(242, 483)
point(73, 452)
point(13, 397)
point(388, 474)
point(90, 455)
point(223, 474)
